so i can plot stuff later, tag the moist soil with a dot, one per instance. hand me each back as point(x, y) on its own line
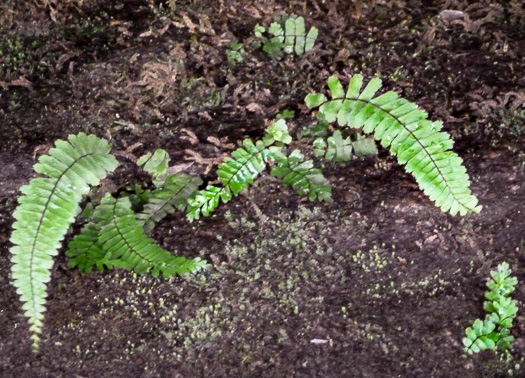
point(378, 283)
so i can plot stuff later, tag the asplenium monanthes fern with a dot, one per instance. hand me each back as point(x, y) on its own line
point(46, 210)
point(400, 125)
point(238, 172)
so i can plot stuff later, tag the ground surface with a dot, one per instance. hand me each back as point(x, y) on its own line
point(383, 280)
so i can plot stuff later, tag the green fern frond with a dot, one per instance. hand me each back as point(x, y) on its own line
point(494, 331)
point(207, 200)
point(126, 245)
point(236, 174)
point(402, 126)
point(45, 212)
point(301, 175)
point(173, 194)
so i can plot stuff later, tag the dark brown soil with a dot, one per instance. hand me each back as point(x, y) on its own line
point(379, 283)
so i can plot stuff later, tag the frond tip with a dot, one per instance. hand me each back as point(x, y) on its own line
point(399, 124)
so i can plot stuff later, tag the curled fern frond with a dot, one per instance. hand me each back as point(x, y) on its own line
point(126, 246)
point(173, 194)
point(45, 212)
point(402, 126)
point(301, 175)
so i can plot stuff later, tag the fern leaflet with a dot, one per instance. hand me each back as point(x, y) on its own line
point(45, 212)
point(402, 126)
point(334, 148)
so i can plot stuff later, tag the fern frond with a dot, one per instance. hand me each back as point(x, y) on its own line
point(236, 174)
point(402, 126)
point(301, 175)
point(207, 200)
point(172, 195)
point(127, 246)
point(45, 212)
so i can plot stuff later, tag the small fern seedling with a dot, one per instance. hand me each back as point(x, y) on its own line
point(288, 34)
point(494, 332)
point(399, 124)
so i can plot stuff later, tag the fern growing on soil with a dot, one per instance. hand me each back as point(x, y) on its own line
point(113, 238)
point(494, 332)
point(399, 124)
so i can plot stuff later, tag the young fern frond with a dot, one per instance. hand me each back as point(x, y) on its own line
point(301, 175)
point(289, 36)
point(125, 244)
point(236, 173)
point(494, 331)
point(172, 195)
point(413, 139)
point(45, 212)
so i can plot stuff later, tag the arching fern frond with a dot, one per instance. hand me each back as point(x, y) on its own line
point(301, 175)
point(125, 244)
point(45, 212)
point(402, 126)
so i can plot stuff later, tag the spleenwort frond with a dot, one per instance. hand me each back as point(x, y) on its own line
point(238, 172)
point(494, 331)
point(126, 246)
point(45, 212)
point(288, 35)
point(402, 126)
point(172, 195)
point(301, 175)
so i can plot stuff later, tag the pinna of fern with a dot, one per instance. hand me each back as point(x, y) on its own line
point(400, 125)
point(47, 208)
